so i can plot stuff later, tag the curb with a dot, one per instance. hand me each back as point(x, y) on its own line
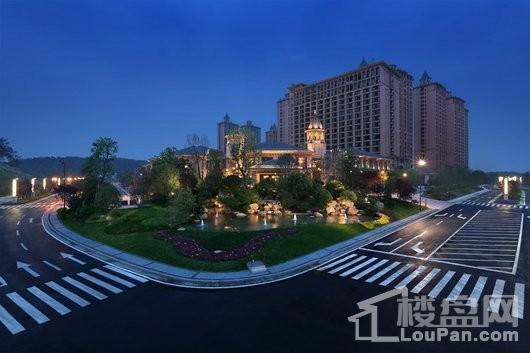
point(219, 280)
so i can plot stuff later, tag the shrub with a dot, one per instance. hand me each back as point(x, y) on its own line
point(240, 200)
point(83, 212)
point(335, 188)
point(106, 197)
point(266, 188)
point(231, 184)
point(74, 202)
point(321, 197)
point(348, 195)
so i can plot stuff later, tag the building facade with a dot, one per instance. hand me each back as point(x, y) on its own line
point(282, 121)
point(369, 109)
point(226, 126)
point(271, 135)
point(441, 131)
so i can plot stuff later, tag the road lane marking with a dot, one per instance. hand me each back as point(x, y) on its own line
point(25, 267)
point(349, 263)
point(515, 263)
point(114, 278)
point(52, 265)
point(28, 308)
point(331, 264)
point(410, 277)
point(18, 233)
point(518, 303)
point(361, 265)
point(395, 275)
point(126, 273)
point(99, 282)
point(3, 282)
point(439, 223)
point(495, 299)
point(440, 253)
point(458, 287)
point(385, 244)
point(23, 246)
point(10, 322)
point(54, 304)
point(96, 294)
point(425, 281)
point(18, 223)
point(441, 284)
point(461, 217)
point(405, 243)
point(477, 290)
point(370, 269)
point(72, 257)
point(382, 272)
point(417, 248)
point(440, 215)
point(68, 294)
point(31, 220)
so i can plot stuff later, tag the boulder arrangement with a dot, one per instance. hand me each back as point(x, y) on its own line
point(189, 247)
point(268, 208)
point(341, 207)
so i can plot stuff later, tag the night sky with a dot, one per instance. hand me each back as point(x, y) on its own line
point(148, 73)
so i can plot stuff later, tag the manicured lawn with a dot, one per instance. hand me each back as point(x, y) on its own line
point(401, 209)
point(448, 192)
point(308, 238)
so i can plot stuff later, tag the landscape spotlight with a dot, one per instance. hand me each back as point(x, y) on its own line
point(14, 187)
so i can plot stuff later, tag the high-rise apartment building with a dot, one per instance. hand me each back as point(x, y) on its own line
point(441, 131)
point(226, 126)
point(271, 135)
point(369, 109)
point(283, 119)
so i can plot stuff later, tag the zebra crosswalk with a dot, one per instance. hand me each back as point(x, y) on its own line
point(60, 297)
point(495, 204)
point(37, 204)
point(427, 279)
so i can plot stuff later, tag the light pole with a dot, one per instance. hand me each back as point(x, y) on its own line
point(421, 163)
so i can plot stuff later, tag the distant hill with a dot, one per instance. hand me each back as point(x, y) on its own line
point(50, 166)
point(8, 173)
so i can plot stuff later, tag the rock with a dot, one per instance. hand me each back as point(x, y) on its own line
point(262, 213)
point(240, 215)
point(288, 213)
point(266, 207)
point(255, 266)
point(277, 212)
point(380, 205)
point(330, 210)
point(352, 211)
point(347, 204)
point(204, 216)
point(318, 215)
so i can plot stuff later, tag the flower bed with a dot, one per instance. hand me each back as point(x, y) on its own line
point(189, 247)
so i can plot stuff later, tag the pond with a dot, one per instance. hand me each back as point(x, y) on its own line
point(257, 222)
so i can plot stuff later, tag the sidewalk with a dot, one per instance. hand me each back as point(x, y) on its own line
point(172, 275)
point(440, 204)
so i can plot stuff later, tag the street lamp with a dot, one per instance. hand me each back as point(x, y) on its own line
point(404, 175)
point(421, 163)
point(14, 187)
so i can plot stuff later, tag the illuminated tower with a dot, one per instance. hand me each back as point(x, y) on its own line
point(315, 140)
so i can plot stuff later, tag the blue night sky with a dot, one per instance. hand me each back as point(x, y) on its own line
point(148, 73)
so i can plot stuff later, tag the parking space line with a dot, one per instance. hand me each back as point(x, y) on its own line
point(395, 275)
point(370, 269)
point(383, 272)
point(458, 287)
point(495, 299)
point(441, 284)
point(425, 281)
point(361, 265)
point(477, 290)
point(410, 277)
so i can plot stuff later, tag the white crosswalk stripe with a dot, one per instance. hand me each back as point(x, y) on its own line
point(54, 304)
point(495, 300)
point(395, 275)
point(27, 307)
point(96, 294)
point(477, 291)
point(518, 304)
point(353, 269)
point(425, 281)
point(68, 294)
point(370, 269)
point(114, 278)
point(347, 264)
point(441, 284)
point(10, 322)
point(126, 273)
point(383, 272)
point(458, 287)
point(410, 277)
point(334, 263)
point(99, 282)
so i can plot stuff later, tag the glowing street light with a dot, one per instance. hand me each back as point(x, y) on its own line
point(14, 187)
point(404, 175)
point(43, 183)
point(422, 162)
point(33, 185)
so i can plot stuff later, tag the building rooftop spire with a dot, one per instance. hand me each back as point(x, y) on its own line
point(314, 122)
point(425, 78)
point(363, 63)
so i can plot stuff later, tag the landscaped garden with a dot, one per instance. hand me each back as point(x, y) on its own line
point(221, 222)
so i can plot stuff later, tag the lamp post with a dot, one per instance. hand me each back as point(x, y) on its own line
point(421, 163)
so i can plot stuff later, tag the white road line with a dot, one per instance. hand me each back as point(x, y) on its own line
point(495, 299)
point(99, 282)
point(477, 291)
point(458, 287)
point(18, 223)
point(114, 278)
point(478, 249)
point(484, 240)
point(515, 263)
point(331, 264)
point(410, 277)
point(68, 294)
point(126, 273)
point(382, 272)
point(518, 303)
point(440, 253)
point(96, 294)
point(441, 284)
point(425, 281)
point(439, 223)
point(18, 233)
point(477, 260)
point(408, 241)
point(28, 308)
point(3, 282)
point(361, 265)
point(349, 263)
point(10, 322)
point(456, 231)
point(395, 275)
point(31, 220)
point(54, 304)
point(23, 246)
point(52, 265)
point(370, 269)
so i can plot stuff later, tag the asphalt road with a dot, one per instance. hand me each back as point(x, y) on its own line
point(304, 314)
